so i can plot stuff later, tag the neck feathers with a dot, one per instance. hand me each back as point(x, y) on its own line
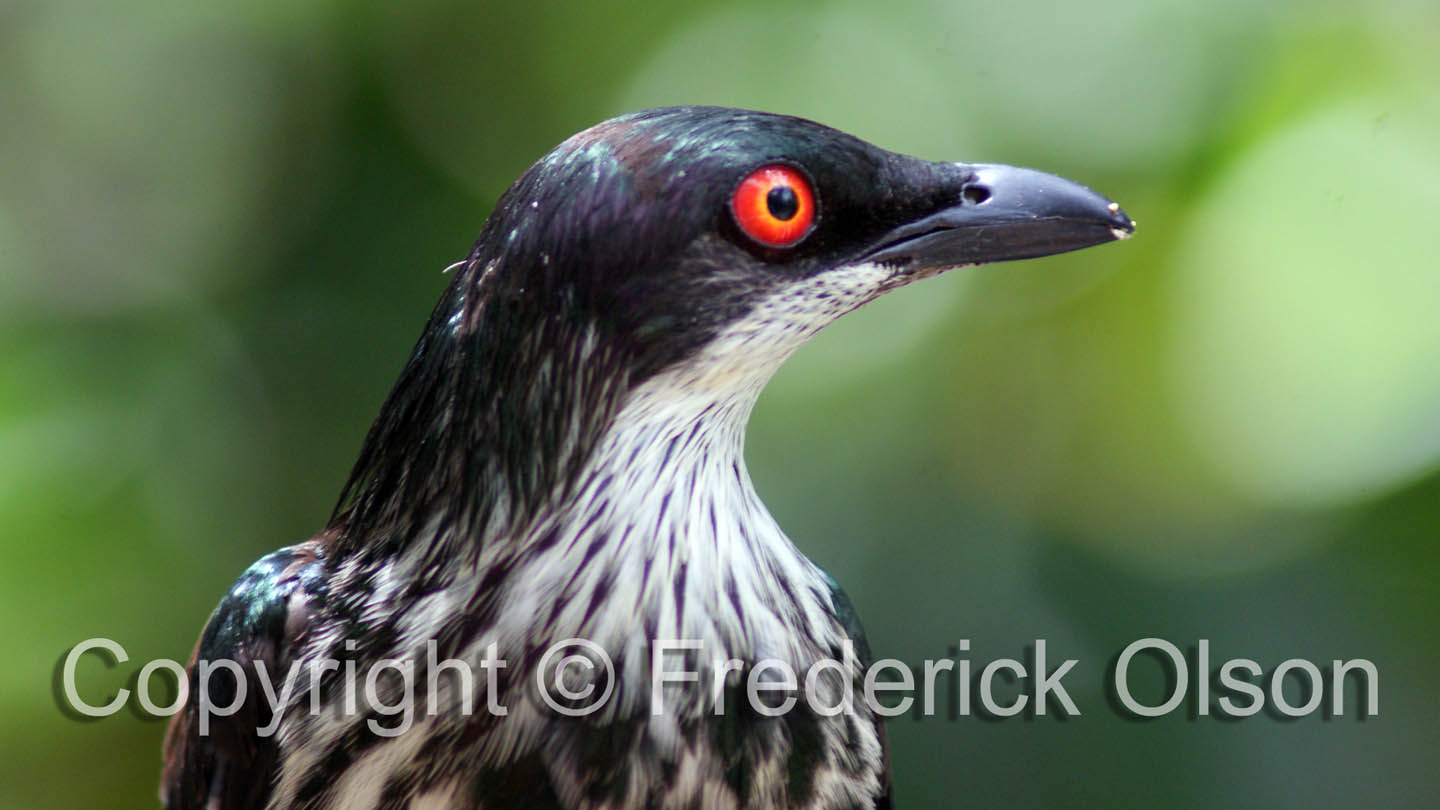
point(492, 419)
point(523, 450)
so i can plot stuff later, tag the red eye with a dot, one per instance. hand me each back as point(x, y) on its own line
point(774, 206)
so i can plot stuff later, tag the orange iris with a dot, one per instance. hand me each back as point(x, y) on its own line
point(774, 206)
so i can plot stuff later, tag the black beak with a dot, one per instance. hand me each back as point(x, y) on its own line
point(1004, 213)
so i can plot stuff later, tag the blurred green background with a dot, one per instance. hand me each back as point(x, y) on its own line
point(223, 224)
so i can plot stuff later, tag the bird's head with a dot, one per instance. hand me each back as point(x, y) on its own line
point(666, 228)
point(701, 243)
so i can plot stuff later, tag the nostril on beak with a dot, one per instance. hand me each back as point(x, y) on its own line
point(975, 194)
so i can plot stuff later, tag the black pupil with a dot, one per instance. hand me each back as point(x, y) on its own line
point(782, 202)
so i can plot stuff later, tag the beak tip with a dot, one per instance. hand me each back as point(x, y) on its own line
point(1122, 226)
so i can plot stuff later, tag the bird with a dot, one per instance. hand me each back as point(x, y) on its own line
point(561, 462)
